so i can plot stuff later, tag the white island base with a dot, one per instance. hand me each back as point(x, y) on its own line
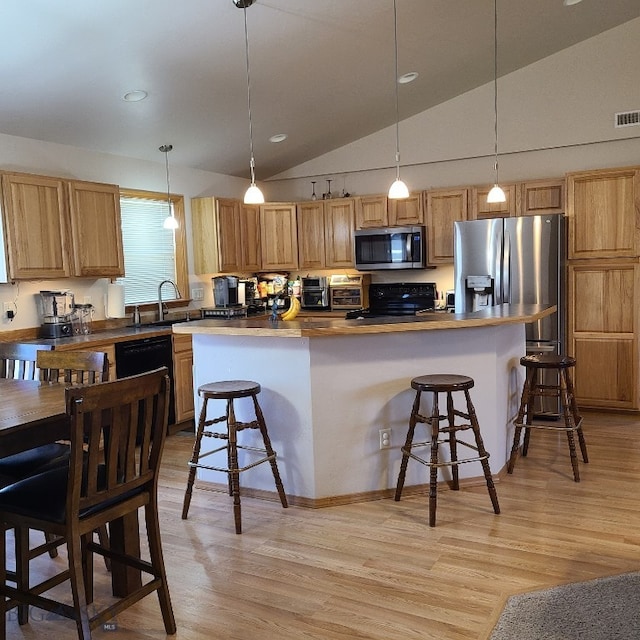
point(325, 399)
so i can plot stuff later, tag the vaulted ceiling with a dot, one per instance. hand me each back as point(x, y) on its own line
point(322, 71)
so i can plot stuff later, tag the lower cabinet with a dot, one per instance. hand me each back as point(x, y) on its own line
point(603, 333)
point(183, 377)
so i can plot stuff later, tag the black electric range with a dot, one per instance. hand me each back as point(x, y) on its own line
point(397, 299)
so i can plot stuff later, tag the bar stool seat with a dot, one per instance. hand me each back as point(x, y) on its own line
point(449, 384)
point(569, 419)
point(230, 390)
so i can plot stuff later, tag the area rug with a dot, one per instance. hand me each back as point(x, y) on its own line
point(601, 609)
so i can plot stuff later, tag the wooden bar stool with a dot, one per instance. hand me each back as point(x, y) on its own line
point(436, 384)
point(569, 419)
point(230, 390)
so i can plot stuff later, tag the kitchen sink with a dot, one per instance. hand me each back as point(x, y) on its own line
point(168, 322)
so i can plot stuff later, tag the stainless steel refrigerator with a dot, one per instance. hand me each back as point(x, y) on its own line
point(514, 260)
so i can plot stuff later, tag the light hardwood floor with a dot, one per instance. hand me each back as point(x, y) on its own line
point(375, 570)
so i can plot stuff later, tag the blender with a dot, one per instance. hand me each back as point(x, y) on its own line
point(57, 314)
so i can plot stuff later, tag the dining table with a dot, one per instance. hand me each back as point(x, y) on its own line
point(32, 413)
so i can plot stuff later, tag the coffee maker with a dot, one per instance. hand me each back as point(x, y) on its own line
point(225, 291)
point(57, 308)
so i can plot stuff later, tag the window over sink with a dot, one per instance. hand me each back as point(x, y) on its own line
point(151, 252)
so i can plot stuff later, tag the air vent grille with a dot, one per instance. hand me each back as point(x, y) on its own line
point(627, 119)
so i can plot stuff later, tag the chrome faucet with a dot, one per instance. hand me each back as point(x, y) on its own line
point(161, 309)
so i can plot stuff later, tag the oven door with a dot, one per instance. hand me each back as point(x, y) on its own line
point(315, 299)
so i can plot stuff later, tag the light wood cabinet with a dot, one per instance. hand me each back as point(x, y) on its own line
point(444, 207)
point(183, 377)
point(311, 230)
point(339, 220)
point(60, 229)
point(205, 237)
point(37, 227)
point(542, 197)
point(602, 210)
point(278, 236)
point(480, 209)
point(96, 229)
point(371, 212)
point(603, 332)
point(407, 211)
point(325, 234)
point(238, 241)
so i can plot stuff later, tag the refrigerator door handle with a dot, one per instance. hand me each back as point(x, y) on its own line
point(506, 268)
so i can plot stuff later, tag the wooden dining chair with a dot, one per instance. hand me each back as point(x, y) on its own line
point(118, 431)
point(18, 361)
point(73, 367)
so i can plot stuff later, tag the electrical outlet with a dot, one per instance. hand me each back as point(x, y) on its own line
point(6, 307)
point(197, 294)
point(385, 438)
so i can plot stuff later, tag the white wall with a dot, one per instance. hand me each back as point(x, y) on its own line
point(555, 116)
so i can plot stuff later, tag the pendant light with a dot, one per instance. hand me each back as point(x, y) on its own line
point(253, 194)
point(398, 189)
point(496, 194)
point(170, 221)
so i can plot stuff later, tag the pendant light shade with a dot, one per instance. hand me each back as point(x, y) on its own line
point(496, 194)
point(170, 221)
point(253, 194)
point(398, 189)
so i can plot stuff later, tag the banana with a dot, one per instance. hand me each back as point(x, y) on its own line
point(293, 310)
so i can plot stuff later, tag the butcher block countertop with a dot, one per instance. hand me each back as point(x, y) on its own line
point(308, 328)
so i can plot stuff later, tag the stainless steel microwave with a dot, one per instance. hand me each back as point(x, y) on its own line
point(390, 248)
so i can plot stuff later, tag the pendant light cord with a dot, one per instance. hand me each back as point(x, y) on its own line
point(395, 82)
point(252, 161)
point(495, 84)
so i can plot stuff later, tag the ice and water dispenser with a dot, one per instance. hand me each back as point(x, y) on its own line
point(479, 292)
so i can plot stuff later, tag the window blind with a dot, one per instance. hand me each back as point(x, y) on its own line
point(149, 250)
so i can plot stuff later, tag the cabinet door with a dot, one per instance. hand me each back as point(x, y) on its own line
point(602, 335)
point(250, 245)
point(444, 207)
point(96, 229)
point(371, 211)
point(204, 235)
point(279, 236)
point(229, 247)
point(407, 211)
point(311, 229)
point(542, 197)
point(481, 209)
point(602, 209)
point(339, 222)
point(37, 227)
point(183, 377)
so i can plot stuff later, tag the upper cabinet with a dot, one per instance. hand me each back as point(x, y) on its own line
point(238, 243)
point(444, 207)
point(60, 229)
point(479, 208)
point(380, 211)
point(602, 209)
point(205, 239)
point(542, 197)
point(371, 212)
point(96, 229)
point(278, 235)
point(406, 212)
point(311, 242)
point(339, 220)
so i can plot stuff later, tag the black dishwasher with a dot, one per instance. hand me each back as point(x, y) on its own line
point(146, 354)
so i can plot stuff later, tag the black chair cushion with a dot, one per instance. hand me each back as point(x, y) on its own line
point(33, 461)
point(44, 496)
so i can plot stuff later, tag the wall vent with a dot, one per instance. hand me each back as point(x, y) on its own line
point(627, 119)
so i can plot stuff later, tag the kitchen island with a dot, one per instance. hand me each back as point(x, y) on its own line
point(330, 386)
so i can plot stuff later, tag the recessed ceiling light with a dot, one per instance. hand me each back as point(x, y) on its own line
point(406, 78)
point(568, 3)
point(135, 96)
point(278, 137)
